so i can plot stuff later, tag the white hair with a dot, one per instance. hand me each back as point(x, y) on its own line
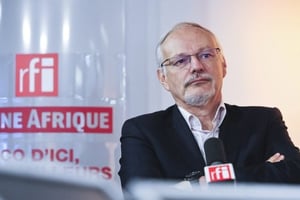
point(159, 53)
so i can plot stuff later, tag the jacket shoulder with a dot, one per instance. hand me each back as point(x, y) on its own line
point(250, 108)
point(254, 112)
point(158, 117)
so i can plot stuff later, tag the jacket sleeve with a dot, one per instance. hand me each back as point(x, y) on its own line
point(138, 159)
point(276, 140)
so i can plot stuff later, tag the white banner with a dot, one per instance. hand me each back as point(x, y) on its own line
point(62, 94)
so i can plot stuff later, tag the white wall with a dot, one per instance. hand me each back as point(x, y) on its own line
point(260, 39)
point(142, 19)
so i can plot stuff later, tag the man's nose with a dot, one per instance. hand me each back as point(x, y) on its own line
point(196, 64)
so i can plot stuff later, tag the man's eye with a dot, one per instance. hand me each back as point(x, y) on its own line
point(205, 55)
point(181, 61)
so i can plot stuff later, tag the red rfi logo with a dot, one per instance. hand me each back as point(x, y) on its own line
point(220, 173)
point(36, 75)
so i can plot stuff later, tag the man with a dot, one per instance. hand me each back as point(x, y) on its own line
point(169, 144)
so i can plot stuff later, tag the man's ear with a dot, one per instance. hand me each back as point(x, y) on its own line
point(162, 78)
point(224, 67)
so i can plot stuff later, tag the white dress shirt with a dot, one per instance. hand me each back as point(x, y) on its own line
point(199, 133)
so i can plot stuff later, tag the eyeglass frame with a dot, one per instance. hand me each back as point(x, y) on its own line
point(198, 55)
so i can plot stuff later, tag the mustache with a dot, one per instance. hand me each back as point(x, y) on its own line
point(196, 77)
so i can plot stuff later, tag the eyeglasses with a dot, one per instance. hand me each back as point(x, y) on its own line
point(205, 56)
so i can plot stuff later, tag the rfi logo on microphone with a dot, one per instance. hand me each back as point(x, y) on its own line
point(36, 75)
point(221, 172)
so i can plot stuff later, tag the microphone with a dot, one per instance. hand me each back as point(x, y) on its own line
point(217, 169)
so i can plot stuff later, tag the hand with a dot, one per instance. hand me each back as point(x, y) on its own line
point(202, 181)
point(183, 185)
point(277, 157)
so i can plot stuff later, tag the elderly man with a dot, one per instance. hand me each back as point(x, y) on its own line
point(168, 144)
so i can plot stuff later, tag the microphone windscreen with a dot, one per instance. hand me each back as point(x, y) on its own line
point(214, 151)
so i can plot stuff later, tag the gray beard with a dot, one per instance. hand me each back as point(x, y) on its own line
point(199, 100)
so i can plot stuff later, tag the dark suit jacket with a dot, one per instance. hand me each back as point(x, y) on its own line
point(160, 145)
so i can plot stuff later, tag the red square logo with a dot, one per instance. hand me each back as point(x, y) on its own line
point(36, 75)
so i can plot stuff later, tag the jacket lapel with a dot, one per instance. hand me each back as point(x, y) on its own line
point(186, 140)
point(231, 132)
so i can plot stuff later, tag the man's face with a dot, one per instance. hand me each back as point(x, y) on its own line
point(200, 80)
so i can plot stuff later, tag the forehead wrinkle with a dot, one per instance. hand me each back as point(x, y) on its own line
point(181, 43)
point(199, 50)
point(185, 48)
